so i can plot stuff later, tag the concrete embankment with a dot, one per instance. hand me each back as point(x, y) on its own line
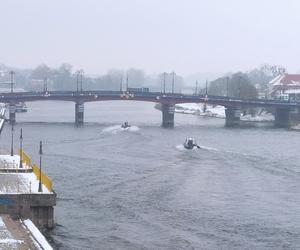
point(18, 234)
point(27, 196)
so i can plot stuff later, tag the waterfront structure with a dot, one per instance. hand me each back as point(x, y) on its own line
point(286, 113)
point(19, 191)
point(286, 86)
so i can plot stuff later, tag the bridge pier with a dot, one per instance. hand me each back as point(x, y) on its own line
point(233, 116)
point(12, 113)
point(286, 117)
point(79, 113)
point(168, 111)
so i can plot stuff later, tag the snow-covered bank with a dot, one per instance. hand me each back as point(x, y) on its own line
point(218, 112)
point(199, 109)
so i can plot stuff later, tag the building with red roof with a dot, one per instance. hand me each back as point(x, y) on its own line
point(286, 86)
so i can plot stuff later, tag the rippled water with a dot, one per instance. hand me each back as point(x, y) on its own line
point(139, 189)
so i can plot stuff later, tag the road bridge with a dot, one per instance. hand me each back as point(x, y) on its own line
point(286, 112)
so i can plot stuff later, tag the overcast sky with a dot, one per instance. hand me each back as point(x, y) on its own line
point(187, 36)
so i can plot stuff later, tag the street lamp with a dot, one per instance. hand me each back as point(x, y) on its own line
point(165, 82)
point(21, 150)
point(173, 81)
point(45, 84)
point(81, 76)
point(196, 91)
point(121, 84)
point(227, 85)
point(77, 80)
point(239, 87)
point(12, 73)
point(40, 181)
point(12, 140)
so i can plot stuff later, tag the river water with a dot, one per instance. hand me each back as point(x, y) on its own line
point(139, 189)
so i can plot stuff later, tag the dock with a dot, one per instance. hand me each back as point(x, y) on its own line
point(27, 201)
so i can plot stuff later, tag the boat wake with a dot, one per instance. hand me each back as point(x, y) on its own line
point(118, 129)
point(182, 148)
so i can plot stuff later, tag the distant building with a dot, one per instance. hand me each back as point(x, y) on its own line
point(286, 86)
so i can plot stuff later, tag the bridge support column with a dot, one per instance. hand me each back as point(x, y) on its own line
point(233, 116)
point(79, 113)
point(168, 111)
point(12, 113)
point(284, 117)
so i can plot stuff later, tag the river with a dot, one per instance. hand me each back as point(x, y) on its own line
point(139, 189)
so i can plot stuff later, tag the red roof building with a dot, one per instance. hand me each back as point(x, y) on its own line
point(285, 84)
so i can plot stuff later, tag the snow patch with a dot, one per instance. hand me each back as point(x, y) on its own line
point(218, 112)
point(37, 235)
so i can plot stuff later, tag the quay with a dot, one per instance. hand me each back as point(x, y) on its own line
point(27, 200)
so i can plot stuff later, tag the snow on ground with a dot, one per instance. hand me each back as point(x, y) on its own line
point(198, 109)
point(12, 183)
point(37, 235)
point(6, 239)
point(118, 129)
point(11, 162)
point(218, 112)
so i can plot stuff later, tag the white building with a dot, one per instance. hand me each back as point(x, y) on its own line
point(286, 86)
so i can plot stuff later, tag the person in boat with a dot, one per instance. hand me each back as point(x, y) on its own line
point(190, 143)
point(125, 125)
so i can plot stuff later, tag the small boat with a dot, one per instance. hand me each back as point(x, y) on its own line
point(125, 125)
point(190, 143)
point(21, 107)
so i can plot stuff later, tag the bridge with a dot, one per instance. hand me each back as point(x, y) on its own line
point(286, 113)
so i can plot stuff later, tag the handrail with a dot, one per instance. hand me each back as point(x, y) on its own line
point(45, 179)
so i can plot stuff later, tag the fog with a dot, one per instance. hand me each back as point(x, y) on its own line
point(184, 36)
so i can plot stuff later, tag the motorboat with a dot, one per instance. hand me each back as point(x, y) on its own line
point(21, 107)
point(125, 125)
point(190, 143)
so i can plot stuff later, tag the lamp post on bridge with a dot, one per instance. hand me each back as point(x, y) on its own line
point(12, 140)
point(165, 82)
point(173, 81)
point(239, 87)
point(121, 84)
point(12, 73)
point(45, 84)
point(227, 85)
point(81, 77)
point(77, 80)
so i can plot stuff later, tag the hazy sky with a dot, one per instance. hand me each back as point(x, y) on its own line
point(156, 35)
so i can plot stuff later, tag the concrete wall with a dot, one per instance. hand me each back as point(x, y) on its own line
point(37, 207)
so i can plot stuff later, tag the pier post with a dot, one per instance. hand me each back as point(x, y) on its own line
point(79, 113)
point(168, 111)
point(12, 113)
point(233, 116)
point(282, 118)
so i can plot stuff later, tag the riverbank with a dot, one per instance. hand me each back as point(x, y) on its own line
point(219, 112)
